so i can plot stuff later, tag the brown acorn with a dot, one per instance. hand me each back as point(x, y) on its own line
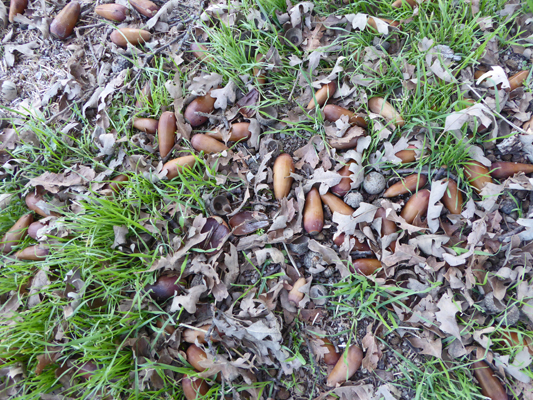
point(194, 388)
point(166, 133)
point(283, 167)
point(506, 169)
point(145, 7)
point(148, 125)
point(331, 357)
point(246, 222)
point(16, 233)
point(513, 340)
point(194, 356)
point(313, 213)
point(339, 145)
point(164, 288)
point(218, 230)
point(112, 12)
point(346, 366)
point(387, 227)
point(117, 182)
point(366, 266)
point(336, 205)
point(295, 296)
point(345, 185)
point(407, 155)
point(176, 165)
point(161, 322)
point(477, 175)
point(145, 97)
point(332, 113)
point(203, 104)
point(339, 240)
point(200, 52)
point(416, 205)
point(261, 78)
point(31, 202)
point(64, 22)
point(371, 22)
point(32, 253)
point(379, 105)
point(207, 144)
point(121, 37)
point(408, 185)
point(517, 80)
point(322, 95)
point(239, 131)
point(398, 3)
point(17, 7)
point(453, 199)
point(34, 228)
point(490, 384)
point(192, 335)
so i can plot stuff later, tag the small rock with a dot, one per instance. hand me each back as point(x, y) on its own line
point(318, 294)
point(353, 199)
point(9, 91)
point(270, 145)
point(299, 246)
point(507, 206)
point(328, 273)
point(311, 259)
point(510, 317)
point(374, 183)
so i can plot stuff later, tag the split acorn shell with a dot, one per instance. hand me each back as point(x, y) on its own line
point(283, 167)
point(16, 233)
point(332, 113)
point(112, 12)
point(121, 37)
point(313, 213)
point(246, 222)
point(148, 125)
point(358, 246)
point(346, 366)
point(203, 104)
point(322, 95)
point(477, 175)
point(166, 132)
point(193, 388)
point(218, 230)
point(145, 7)
point(506, 169)
point(176, 165)
point(406, 185)
point(417, 205)
point(490, 384)
point(336, 205)
point(379, 105)
point(453, 199)
point(17, 7)
point(64, 22)
point(207, 144)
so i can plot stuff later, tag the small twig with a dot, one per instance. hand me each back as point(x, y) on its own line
point(496, 112)
point(290, 258)
point(511, 233)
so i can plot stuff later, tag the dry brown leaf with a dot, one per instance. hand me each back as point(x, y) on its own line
point(79, 175)
point(313, 37)
point(373, 352)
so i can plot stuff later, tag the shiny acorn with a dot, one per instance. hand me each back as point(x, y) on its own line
point(148, 125)
point(387, 227)
point(64, 22)
point(345, 185)
point(194, 388)
point(34, 228)
point(218, 230)
point(164, 288)
point(17, 7)
point(145, 7)
point(175, 166)
point(295, 296)
point(31, 202)
point(409, 184)
point(517, 80)
point(417, 205)
point(313, 214)
point(332, 113)
point(366, 266)
point(358, 246)
point(207, 144)
point(16, 233)
point(238, 131)
point(490, 384)
point(331, 357)
point(166, 132)
point(453, 199)
point(399, 3)
point(322, 95)
point(283, 167)
point(112, 12)
point(336, 205)
point(506, 169)
point(204, 104)
point(193, 335)
point(378, 105)
point(346, 366)
point(477, 175)
point(32, 253)
point(121, 37)
point(194, 356)
point(407, 155)
point(371, 22)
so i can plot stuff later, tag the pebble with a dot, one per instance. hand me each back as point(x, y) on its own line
point(507, 206)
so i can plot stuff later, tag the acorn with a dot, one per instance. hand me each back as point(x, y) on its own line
point(193, 388)
point(121, 37)
point(416, 205)
point(332, 113)
point(145, 97)
point(359, 246)
point(407, 155)
point(371, 22)
point(203, 104)
point(336, 205)
point(112, 12)
point(283, 167)
point(261, 78)
point(378, 105)
point(246, 222)
point(513, 340)
point(366, 266)
point(117, 182)
point(239, 131)
point(33, 253)
point(345, 185)
point(31, 202)
point(161, 322)
point(218, 230)
point(490, 384)
point(331, 357)
point(164, 288)
point(192, 335)
point(313, 213)
point(506, 169)
point(295, 296)
point(346, 366)
point(17, 7)
point(477, 175)
point(337, 144)
point(200, 51)
point(166, 132)
point(175, 166)
point(145, 7)
point(34, 228)
point(194, 356)
point(207, 144)
point(398, 3)
point(453, 199)
point(515, 81)
point(16, 233)
point(148, 125)
point(408, 185)
point(387, 227)
point(64, 22)
point(322, 95)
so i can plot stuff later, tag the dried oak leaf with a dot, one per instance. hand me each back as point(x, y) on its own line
point(428, 346)
point(79, 175)
point(446, 315)
point(373, 352)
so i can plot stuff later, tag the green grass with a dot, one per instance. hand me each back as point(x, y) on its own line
point(101, 329)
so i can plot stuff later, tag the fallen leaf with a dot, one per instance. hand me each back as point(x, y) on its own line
point(446, 315)
point(189, 300)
